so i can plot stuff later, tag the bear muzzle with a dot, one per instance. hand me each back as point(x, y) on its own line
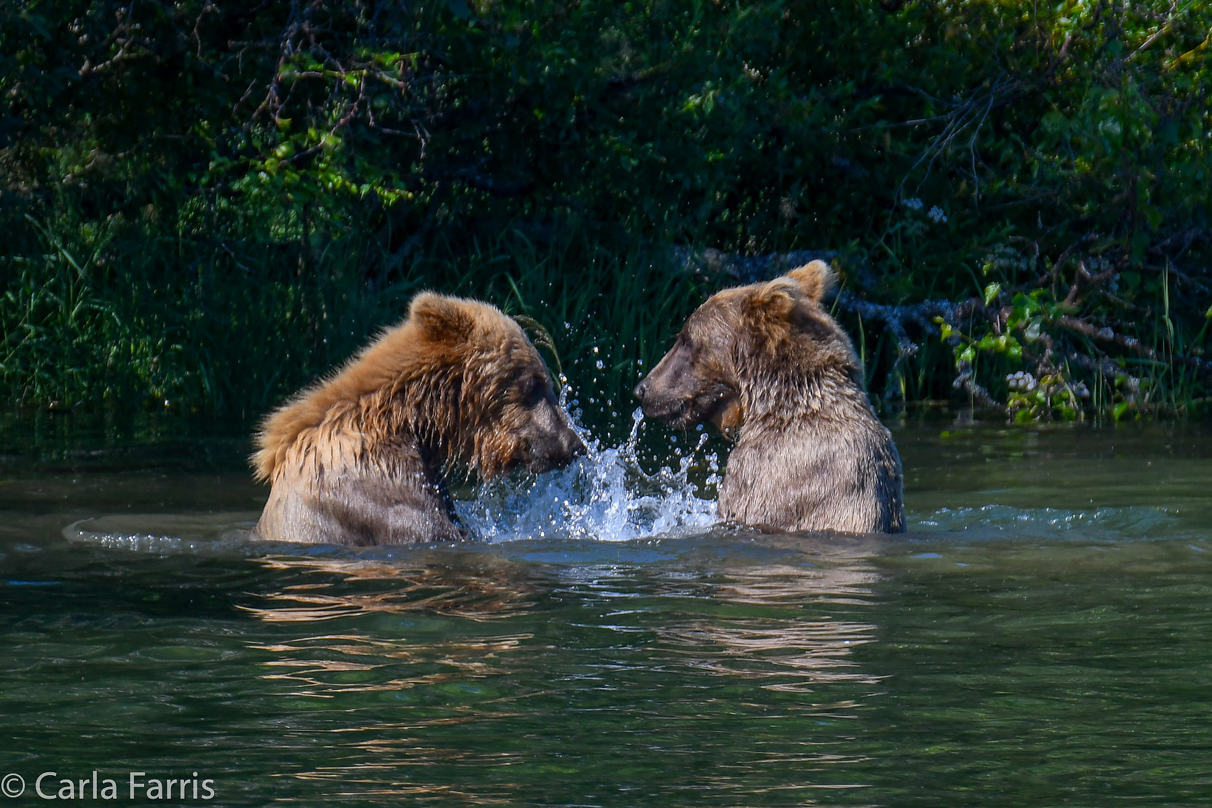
point(555, 452)
point(669, 410)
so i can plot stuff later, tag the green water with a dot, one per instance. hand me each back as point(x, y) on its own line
point(1042, 637)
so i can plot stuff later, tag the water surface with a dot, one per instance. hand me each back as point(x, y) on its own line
point(1041, 637)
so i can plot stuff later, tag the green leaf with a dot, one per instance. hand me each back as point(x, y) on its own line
point(1139, 242)
point(991, 293)
point(1152, 215)
point(1032, 331)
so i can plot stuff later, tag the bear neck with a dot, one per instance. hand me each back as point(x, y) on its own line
point(776, 401)
point(428, 410)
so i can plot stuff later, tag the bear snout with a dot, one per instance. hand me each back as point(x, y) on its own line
point(555, 452)
point(648, 399)
point(664, 405)
point(574, 447)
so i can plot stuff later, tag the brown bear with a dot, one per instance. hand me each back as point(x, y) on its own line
point(360, 457)
point(767, 365)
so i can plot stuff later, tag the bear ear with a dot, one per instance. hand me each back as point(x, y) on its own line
point(443, 318)
point(778, 297)
point(814, 280)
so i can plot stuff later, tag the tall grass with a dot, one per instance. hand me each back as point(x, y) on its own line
point(610, 314)
point(128, 317)
point(229, 322)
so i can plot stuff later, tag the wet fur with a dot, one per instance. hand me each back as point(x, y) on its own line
point(769, 366)
point(360, 457)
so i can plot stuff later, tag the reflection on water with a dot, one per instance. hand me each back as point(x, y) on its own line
point(600, 677)
point(347, 587)
point(325, 665)
point(1042, 637)
point(337, 589)
point(793, 652)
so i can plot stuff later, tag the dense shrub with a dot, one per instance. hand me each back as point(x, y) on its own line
point(209, 203)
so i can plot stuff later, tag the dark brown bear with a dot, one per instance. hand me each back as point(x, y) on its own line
point(769, 366)
point(359, 458)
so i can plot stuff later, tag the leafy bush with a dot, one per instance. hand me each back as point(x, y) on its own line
point(209, 203)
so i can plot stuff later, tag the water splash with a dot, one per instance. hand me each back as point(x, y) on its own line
point(605, 495)
point(1109, 523)
point(167, 534)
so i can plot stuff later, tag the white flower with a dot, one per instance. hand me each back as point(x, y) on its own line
point(1021, 381)
point(936, 213)
point(913, 203)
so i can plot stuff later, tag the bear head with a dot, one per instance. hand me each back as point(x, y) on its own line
point(457, 379)
point(750, 351)
point(489, 396)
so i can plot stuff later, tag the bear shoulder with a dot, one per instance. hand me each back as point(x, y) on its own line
point(433, 335)
point(370, 370)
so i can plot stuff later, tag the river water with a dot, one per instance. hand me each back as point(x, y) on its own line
point(1042, 636)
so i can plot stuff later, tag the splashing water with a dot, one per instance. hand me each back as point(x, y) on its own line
point(1106, 523)
point(605, 495)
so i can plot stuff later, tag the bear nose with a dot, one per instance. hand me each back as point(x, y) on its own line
point(578, 448)
point(641, 389)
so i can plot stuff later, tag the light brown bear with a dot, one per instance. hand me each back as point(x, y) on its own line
point(360, 458)
point(769, 366)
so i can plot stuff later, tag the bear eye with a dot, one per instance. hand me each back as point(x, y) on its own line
point(531, 389)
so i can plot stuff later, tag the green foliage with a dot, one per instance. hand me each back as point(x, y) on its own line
point(120, 317)
point(238, 341)
point(210, 203)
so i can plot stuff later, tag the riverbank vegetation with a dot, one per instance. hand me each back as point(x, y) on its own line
point(204, 205)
